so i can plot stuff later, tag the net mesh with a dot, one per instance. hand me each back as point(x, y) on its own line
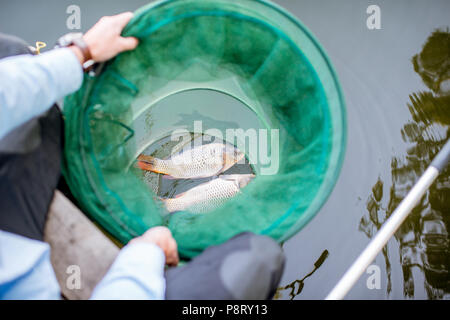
point(251, 50)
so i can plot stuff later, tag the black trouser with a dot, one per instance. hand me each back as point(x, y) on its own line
point(247, 266)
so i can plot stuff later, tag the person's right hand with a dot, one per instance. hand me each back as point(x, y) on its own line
point(162, 237)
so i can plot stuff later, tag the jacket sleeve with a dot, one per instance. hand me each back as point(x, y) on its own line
point(30, 85)
point(137, 274)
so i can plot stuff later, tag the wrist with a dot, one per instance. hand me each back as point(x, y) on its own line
point(90, 44)
point(77, 52)
point(77, 44)
point(142, 239)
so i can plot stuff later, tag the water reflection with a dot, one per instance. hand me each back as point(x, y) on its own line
point(423, 238)
point(295, 287)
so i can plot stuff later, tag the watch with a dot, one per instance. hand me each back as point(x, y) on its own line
point(76, 39)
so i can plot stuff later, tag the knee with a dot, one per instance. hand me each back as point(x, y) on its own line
point(265, 251)
point(270, 253)
point(253, 269)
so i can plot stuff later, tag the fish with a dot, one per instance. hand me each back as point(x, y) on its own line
point(209, 195)
point(199, 162)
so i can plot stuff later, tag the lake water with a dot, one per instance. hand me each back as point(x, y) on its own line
point(398, 117)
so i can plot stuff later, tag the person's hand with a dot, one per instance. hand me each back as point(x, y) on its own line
point(162, 237)
point(104, 40)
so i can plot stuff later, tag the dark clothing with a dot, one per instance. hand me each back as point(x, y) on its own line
point(247, 266)
point(30, 164)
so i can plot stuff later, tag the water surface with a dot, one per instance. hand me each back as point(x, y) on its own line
point(398, 117)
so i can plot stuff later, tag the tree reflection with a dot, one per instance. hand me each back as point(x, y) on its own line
point(295, 287)
point(423, 237)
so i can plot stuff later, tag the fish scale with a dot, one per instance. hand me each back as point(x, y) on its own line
point(199, 162)
point(209, 195)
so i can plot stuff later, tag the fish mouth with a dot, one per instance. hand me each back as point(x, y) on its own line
point(234, 155)
point(230, 159)
point(245, 180)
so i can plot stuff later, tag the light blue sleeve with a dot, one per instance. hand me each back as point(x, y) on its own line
point(26, 272)
point(30, 85)
point(25, 269)
point(137, 273)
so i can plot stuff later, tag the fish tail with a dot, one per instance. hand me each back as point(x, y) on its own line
point(149, 163)
point(172, 204)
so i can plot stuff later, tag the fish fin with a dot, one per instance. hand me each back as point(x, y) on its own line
point(144, 165)
point(148, 163)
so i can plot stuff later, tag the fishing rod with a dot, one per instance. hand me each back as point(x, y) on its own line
point(391, 225)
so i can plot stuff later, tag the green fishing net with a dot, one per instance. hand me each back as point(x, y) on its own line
point(248, 51)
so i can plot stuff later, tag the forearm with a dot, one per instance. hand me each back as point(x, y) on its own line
point(29, 85)
point(137, 273)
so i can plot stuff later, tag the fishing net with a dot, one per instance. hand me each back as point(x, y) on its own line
point(248, 51)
